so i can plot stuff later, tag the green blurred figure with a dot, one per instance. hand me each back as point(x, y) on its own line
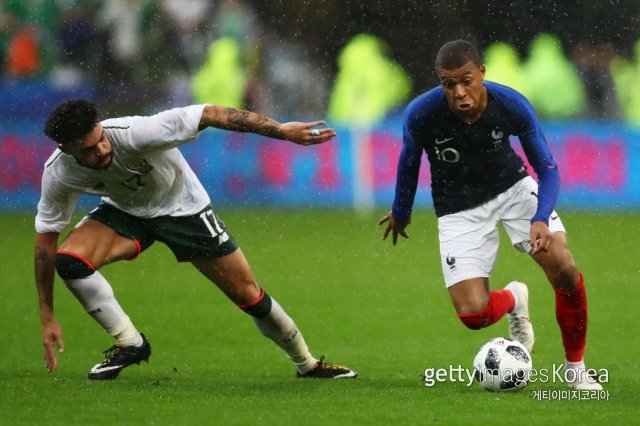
point(556, 88)
point(503, 66)
point(626, 75)
point(222, 79)
point(368, 84)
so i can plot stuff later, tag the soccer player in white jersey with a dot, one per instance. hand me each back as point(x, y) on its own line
point(149, 193)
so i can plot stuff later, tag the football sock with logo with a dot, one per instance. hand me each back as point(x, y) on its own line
point(274, 323)
point(571, 313)
point(500, 303)
point(96, 295)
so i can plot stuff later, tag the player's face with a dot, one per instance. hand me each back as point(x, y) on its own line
point(466, 95)
point(93, 150)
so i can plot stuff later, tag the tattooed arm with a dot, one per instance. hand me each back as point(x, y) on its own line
point(45, 251)
point(246, 121)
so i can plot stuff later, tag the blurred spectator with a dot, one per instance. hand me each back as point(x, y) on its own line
point(121, 22)
point(23, 57)
point(297, 85)
point(504, 67)
point(556, 89)
point(593, 63)
point(77, 46)
point(28, 27)
point(187, 21)
point(75, 35)
point(235, 19)
point(143, 53)
point(626, 75)
point(222, 79)
point(368, 84)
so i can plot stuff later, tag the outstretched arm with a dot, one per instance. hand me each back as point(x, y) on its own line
point(45, 251)
point(246, 121)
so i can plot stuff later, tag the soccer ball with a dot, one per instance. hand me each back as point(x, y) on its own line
point(502, 365)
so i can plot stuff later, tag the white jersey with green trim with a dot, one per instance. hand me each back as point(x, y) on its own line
point(148, 176)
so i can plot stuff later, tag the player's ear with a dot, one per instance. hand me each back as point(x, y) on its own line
point(483, 71)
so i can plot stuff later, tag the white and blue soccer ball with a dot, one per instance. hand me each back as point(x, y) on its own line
point(502, 365)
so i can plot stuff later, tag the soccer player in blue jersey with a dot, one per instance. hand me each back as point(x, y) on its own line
point(478, 181)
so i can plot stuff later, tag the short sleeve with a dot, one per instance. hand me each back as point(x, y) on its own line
point(56, 205)
point(165, 130)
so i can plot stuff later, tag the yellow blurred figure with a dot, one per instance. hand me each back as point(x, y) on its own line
point(368, 83)
point(222, 79)
point(503, 66)
point(626, 75)
point(556, 88)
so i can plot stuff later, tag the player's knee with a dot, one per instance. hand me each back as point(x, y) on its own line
point(259, 307)
point(473, 321)
point(70, 266)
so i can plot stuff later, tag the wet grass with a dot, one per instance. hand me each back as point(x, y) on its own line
point(382, 310)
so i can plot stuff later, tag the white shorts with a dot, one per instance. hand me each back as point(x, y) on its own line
point(469, 239)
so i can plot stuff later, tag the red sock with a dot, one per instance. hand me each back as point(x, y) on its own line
point(500, 302)
point(571, 313)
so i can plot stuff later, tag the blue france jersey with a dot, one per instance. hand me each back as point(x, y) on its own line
point(472, 163)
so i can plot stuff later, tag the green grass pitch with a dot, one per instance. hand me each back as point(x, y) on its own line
point(380, 309)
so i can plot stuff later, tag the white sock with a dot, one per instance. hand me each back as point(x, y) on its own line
point(280, 328)
point(575, 371)
point(574, 365)
point(126, 334)
point(96, 295)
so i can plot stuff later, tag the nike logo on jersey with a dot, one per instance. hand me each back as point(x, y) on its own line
point(438, 142)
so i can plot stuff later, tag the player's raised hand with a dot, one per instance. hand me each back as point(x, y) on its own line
point(305, 133)
point(397, 227)
point(52, 335)
point(540, 237)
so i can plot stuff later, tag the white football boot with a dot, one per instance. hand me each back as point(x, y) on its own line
point(520, 327)
point(578, 379)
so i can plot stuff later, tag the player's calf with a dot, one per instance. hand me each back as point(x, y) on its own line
point(500, 302)
point(274, 323)
point(96, 295)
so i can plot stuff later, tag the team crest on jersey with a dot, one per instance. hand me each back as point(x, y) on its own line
point(497, 136)
point(139, 165)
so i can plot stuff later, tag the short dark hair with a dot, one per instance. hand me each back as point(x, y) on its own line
point(455, 54)
point(71, 120)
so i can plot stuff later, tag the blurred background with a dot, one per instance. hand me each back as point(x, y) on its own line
point(355, 63)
